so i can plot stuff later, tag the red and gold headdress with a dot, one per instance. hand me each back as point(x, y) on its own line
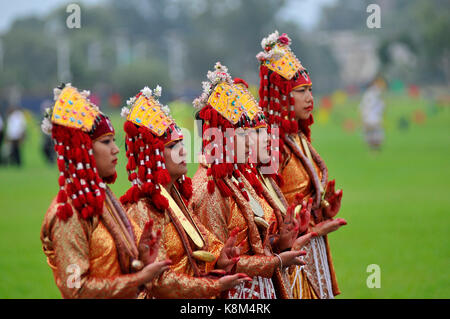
point(280, 73)
point(224, 104)
point(74, 123)
point(149, 127)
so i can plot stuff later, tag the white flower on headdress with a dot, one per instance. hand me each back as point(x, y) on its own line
point(276, 53)
point(46, 126)
point(157, 91)
point(124, 112)
point(56, 93)
point(85, 93)
point(147, 92)
point(262, 56)
point(206, 86)
point(273, 37)
point(219, 67)
point(198, 103)
point(270, 39)
point(211, 76)
point(165, 109)
point(131, 101)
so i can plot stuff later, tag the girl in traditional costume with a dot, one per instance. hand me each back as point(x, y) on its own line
point(222, 199)
point(286, 98)
point(201, 264)
point(94, 250)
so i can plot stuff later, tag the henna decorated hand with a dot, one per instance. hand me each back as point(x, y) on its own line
point(292, 257)
point(303, 240)
point(228, 282)
point(229, 254)
point(328, 226)
point(334, 199)
point(149, 243)
point(148, 251)
point(293, 225)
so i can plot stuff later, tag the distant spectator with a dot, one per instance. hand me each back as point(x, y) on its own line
point(48, 147)
point(372, 111)
point(15, 134)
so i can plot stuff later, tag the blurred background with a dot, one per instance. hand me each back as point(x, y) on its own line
point(387, 145)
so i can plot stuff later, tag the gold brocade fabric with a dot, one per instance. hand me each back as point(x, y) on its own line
point(83, 257)
point(179, 280)
point(103, 254)
point(295, 177)
point(221, 215)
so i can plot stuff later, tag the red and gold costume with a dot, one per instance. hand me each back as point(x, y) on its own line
point(93, 251)
point(223, 199)
point(301, 168)
point(184, 241)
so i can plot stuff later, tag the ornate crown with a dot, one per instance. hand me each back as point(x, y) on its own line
point(278, 56)
point(71, 109)
point(146, 110)
point(229, 99)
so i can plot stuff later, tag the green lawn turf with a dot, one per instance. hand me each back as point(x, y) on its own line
point(396, 203)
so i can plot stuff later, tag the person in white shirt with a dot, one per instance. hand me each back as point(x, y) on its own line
point(15, 134)
point(372, 110)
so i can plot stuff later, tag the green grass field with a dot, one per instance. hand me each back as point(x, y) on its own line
point(396, 204)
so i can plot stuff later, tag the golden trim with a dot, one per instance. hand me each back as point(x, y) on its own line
point(173, 141)
point(308, 154)
point(268, 185)
point(108, 205)
point(300, 85)
point(187, 225)
point(109, 133)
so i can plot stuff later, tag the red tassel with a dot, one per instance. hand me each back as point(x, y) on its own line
point(90, 199)
point(62, 196)
point(61, 180)
point(68, 212)
point(141, 172)
point(211, 186)
point(159, 201)
point(135, 193)
point(85, 212)
point(61, 165)
point(162, 177)
point(130, 129)
point(61, 213)
point(99, 202)
point(147, 189)
point(223, 188)
point(294, 126)
point(76, 203)
point(186, 188)
point(286, 124)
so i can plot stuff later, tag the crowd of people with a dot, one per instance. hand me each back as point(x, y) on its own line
point(251, 224)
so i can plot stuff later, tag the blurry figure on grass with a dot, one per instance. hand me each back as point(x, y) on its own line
point(202, 266)
point(286, 97)
point(372, 110)
point(47, 142)
point(92, 247)
point(15, 135)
